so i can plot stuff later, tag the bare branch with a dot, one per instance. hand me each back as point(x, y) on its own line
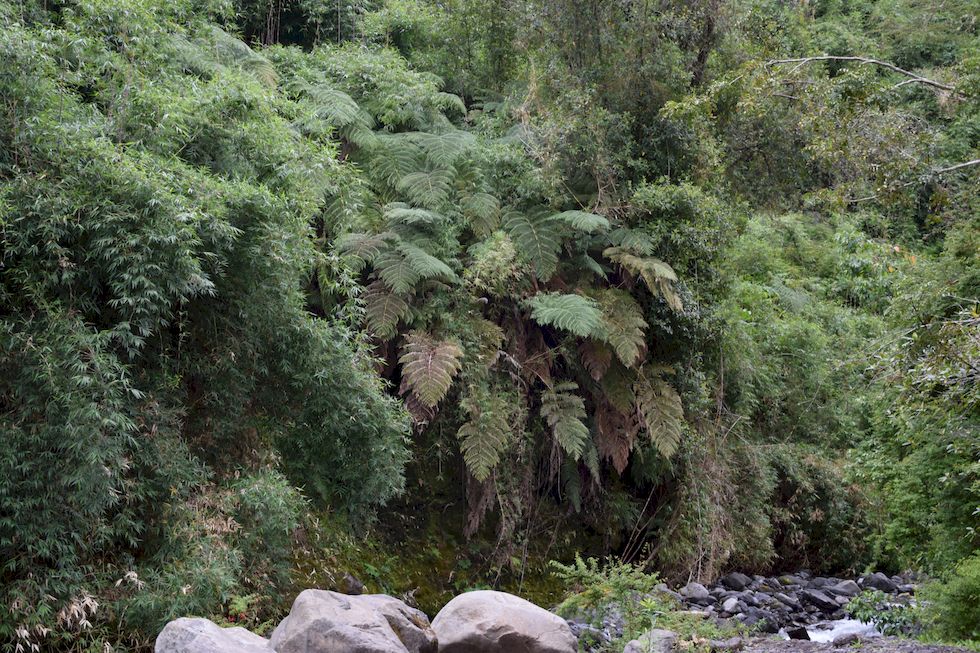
point(913, 78)
point(931, 173)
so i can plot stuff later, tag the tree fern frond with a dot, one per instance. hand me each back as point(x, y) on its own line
point(394, 157)
point(383, 309)
point(405, 214)
point(232, 51)
point(538, 240)
point(587, 262)
point(482, 210)
point(450, 102)
point(365, 247)
point(397, 272)
point(596, 357)
point(486, 433)
point(428, 188)
point(335, 107)
point(617, 434)
point(658, 276)
point(624, 324)
point(583, 221)
point(444, 149)
point(617, 387)
point(633, 240)
point(661, 412)
point(425, 265)
point(428, 366)
point(573, 313)
point(564, 412)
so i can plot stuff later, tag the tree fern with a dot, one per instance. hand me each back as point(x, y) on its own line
point(596, 357)
point(660, 411)
point(383, 309)
point(657, 275)
point(573, 313)
point(624, 325)
point(428, 188)
point(397, 272)
point(364, 247)
point(564, 412)
point(633, 240)
point(616, 435)
point(399, 212)
point(485, 435)
point(482, 211)
point(444, 149)
point(583, 221)
point(424, 264)
point(394, 157)
point(537, 238)
point(428, 366)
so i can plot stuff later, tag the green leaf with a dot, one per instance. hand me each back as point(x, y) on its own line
point(583, 221)
point(485, 435)
point(427, 188)
point(661, 411)
point(399, 212)
point(624, 325)
point(537, 240)
point(397, 272)
point(574, 313)
point(424, 264)
point(428, 366)
point(383, 309)
point(564, 411)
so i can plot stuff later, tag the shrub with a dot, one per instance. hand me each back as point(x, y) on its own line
point(952, 606)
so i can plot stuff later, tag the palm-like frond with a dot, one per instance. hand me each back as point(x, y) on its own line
point(425, 265)
point(428, 366)
point(399, 212)
point(583, 221)
point(660, 410)
point(484, 436)
point(383, 309)
point(573, 313)
point(538, 240)
point(482, 210)
point(428, 188)
point(395, 270)
point(658, 276)
point(564, 411)
point(624, 325)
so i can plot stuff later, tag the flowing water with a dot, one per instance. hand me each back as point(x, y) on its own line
point(828, 631)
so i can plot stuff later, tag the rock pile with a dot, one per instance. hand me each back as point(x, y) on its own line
point(329, 622)
point(788, 601)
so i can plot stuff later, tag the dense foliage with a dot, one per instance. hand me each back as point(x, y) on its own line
point(694, 283)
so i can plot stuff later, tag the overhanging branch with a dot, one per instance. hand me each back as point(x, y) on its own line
point(913, 78)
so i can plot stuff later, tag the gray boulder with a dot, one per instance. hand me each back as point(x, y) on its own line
point(655, 641)
point(879, 581)
point(731, 605)
point(187, 635)
point(736, 581)
point(488, 621)
point(695, 592)
point(330, 622)
point(819, 600)
point(845, 588)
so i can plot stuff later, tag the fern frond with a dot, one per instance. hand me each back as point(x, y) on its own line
point(573, 313)
point(624, 324)
point(658, 276)
point(428, 188)
point(482, 210)
point(633, 240)
point(661, 412)
point(588, 263)
point(364, 247)
point(399, 212)
point(425, 265)
point(617, 387)
point(397, 272)
point(444, 149)
point(617, 433)
point(564, 412)
point(335, 107)
point(538, 240)
point(428, 366)
point(450, 102)
point(394, 157)
point(596, 358)
point(583, 221)
point(383, 310)
point(487, 431)
point(232, 51)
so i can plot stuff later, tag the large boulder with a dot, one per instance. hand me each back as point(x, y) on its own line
point(880, 582)
point(819, 600)
point(695, 592)
point(845, 588)
point(187, 635)
point(488, 621)
point(330, 622)
point(736, 581)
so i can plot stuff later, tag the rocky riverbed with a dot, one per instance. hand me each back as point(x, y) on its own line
point(791, 606)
